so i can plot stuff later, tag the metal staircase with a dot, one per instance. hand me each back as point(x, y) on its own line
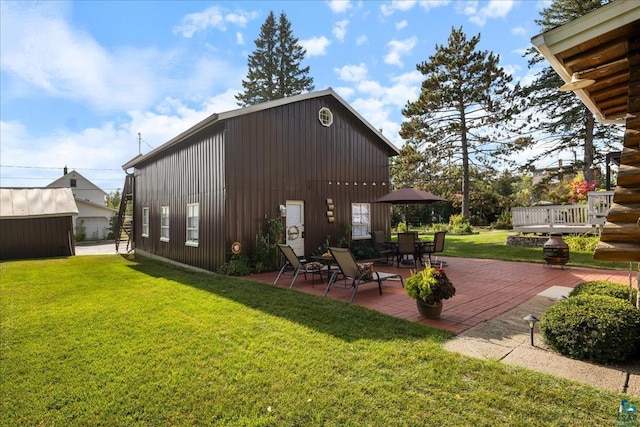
point(124, 225)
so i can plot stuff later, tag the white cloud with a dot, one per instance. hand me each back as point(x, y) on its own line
point(518, 31)
point(339, 6)
point(352, 73)
point(399, 48)
point(111, 143)
point(340, 29)
point(402, 24)
point(212, 17)
point(345, 92)
point(315, 46)
point(494, 9)
point(388, 9)
point(239, 38)
point(431, 4)
point(361, 40)
point(49, 58)
point(57, 60)
point(401, 5)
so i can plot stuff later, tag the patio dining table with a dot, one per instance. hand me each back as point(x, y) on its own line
point(420, 246)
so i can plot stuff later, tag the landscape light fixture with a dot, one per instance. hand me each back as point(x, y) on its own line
point(531, 320)
point(576, 83)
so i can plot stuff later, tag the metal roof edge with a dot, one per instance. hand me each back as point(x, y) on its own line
point(252, 109)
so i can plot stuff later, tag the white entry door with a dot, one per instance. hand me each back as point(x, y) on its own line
point(294, 230)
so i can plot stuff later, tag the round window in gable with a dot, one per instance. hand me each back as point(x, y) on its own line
point(325, 116)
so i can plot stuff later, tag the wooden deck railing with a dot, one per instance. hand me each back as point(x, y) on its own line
point(564, 218)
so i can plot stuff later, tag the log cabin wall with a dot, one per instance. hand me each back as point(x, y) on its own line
point(620, 239)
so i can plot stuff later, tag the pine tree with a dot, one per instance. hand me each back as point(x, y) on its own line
point(562, 122)
point(275, 65)
point(465, 105)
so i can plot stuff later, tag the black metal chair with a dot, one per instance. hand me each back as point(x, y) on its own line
point(436, 246)
point(352, 272)
point(406, 247)
point(381, 246)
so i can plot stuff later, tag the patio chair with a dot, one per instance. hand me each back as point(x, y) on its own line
point(436, 246)
point(381, 246)
point(406, 247)
point(355, 274)
point(296, 265)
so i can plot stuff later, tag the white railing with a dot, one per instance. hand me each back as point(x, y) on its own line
point(593, 213)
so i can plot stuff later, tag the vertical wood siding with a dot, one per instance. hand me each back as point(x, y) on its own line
point(191, 173)
point(36, 237)
point(242, 169)
point(286, 154)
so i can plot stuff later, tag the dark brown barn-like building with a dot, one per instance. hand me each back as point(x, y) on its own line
point(309, 159)
point(36, 222)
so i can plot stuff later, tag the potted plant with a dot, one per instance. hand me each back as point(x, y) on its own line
point(429, 287)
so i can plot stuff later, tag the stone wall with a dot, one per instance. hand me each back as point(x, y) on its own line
point(527, 241)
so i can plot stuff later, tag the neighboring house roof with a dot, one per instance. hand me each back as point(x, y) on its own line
point(215, 118)
point(36, 202)
point(97, 206)
point(63, 181)
point(595, 46)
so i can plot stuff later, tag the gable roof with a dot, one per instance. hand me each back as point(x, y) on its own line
point(215, 118)
point(93, 205)
point(36, 202)
point(595, 46)
point(62, 181)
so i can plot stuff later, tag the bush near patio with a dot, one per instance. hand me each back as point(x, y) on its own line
point(596, 328)
point(604, 287)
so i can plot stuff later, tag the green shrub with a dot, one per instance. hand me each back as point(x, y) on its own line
point(459, 225)
point(604, 287)
point(592, 327)
point(239, 265)
point(81, 231)
point(504, 221)
point(402, 227)
point(582, 243)
point(363, 252)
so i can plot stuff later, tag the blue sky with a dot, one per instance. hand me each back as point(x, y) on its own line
point(80, 80)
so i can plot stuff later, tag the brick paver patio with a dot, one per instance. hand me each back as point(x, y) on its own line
point(484, 289)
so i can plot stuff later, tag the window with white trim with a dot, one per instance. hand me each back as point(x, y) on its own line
point(145, 222)
point(193, 224)
point(325, 116)
point(164, 224)
point(360, 221)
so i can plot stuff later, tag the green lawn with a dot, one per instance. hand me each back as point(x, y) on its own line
point(113, 341)
point(492, 244)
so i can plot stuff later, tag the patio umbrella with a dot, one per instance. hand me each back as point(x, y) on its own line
point(409, 195)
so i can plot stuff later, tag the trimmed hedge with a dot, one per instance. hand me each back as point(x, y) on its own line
point(592, 327)
point(604, 287)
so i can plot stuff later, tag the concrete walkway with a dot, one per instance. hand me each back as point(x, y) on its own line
point(507, 338)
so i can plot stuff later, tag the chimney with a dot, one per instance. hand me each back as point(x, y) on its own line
point(65, 170)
